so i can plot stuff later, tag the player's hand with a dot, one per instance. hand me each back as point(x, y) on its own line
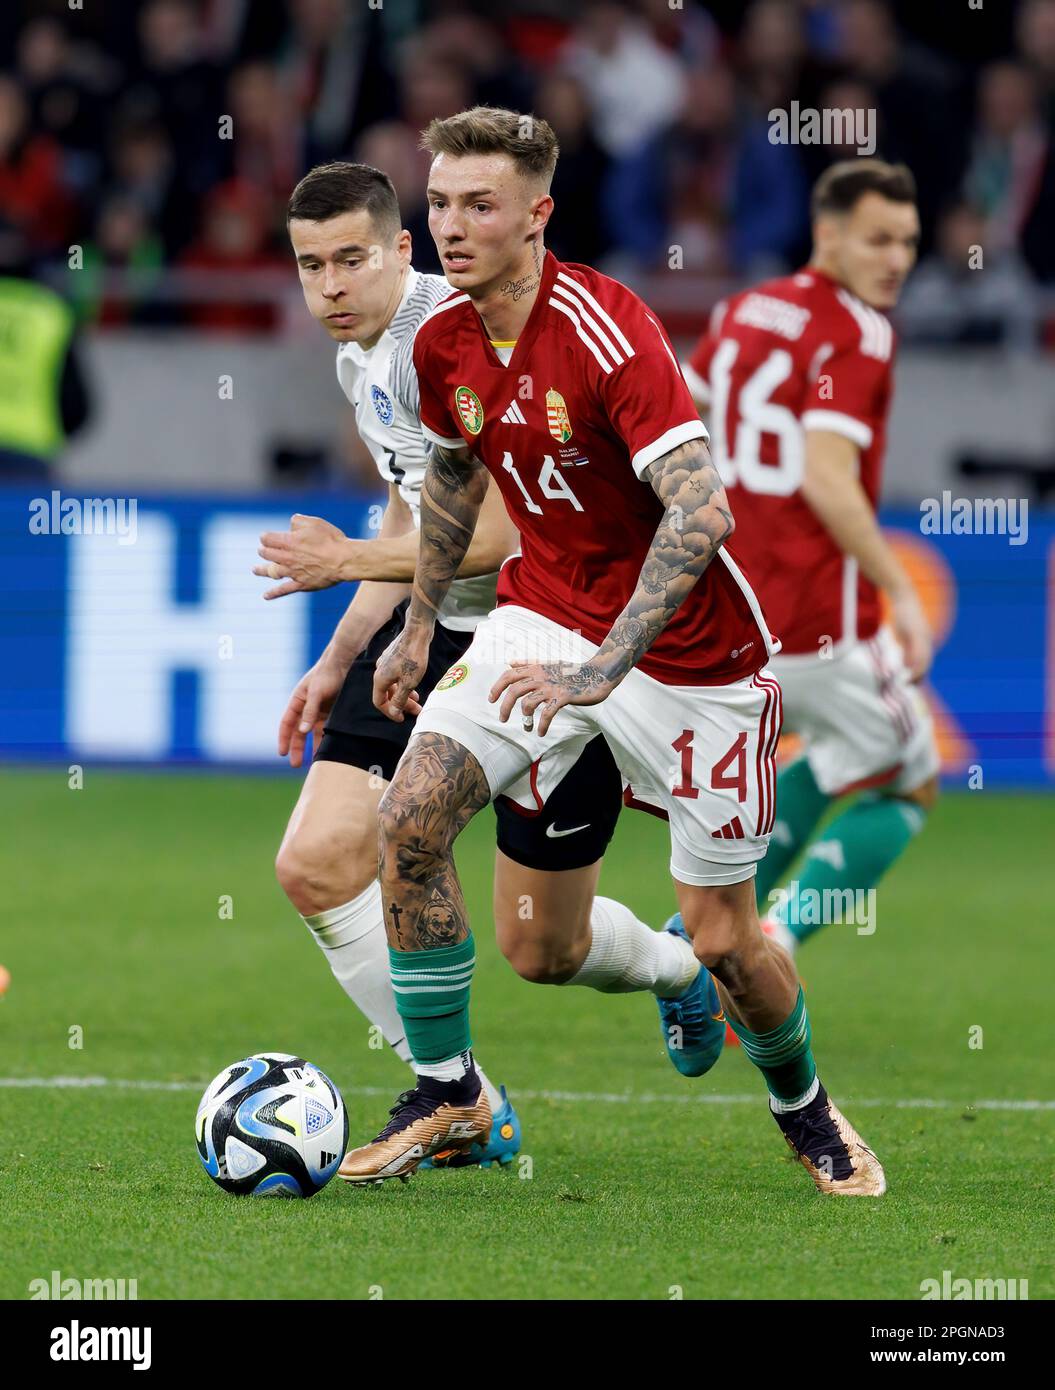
point(309, 707)
point(912, 632)
point(399, 672)
point(310, 555)
point(548, 688)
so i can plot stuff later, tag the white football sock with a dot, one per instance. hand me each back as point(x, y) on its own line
point(492, 1091)
point(453, 1069)
point(626, 955)
point(352, 938)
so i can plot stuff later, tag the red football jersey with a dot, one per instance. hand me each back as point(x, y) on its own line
point(795, 354)
point(591, 396)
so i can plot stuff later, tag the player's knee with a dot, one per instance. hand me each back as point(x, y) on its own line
point(720, 930)
point(713, 947)
point(540, 962)
point(925, 796)
point(317, 872)
point(408, 845)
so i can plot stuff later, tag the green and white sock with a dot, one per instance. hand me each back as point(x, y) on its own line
point(352, 938)
point(853, 854)
point(432, 996)
point(800, 805)
point(784, 1057)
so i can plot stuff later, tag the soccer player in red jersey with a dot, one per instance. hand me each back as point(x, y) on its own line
point(624, 615)
point(795, 376)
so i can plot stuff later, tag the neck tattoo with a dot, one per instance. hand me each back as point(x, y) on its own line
point(518, 288)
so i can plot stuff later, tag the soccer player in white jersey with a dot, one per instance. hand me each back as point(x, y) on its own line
point(355, 266)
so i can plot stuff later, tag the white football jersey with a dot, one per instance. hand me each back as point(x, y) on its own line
point(383, 387)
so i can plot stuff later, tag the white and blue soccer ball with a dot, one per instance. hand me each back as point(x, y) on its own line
point(271, 1125)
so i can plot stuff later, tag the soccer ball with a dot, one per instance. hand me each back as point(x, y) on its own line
point(271, 1125)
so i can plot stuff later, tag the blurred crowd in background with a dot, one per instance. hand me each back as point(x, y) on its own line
point(111, 139)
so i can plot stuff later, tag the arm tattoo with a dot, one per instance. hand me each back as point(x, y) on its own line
point(437, 790)
point(451, 496)
point(695, 525)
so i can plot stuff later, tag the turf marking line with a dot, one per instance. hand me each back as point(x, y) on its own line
point(60, 1083)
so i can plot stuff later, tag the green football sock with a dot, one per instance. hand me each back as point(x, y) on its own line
point(800, 805)
point(432, 996)
point(850, 858)
point(783, 1056)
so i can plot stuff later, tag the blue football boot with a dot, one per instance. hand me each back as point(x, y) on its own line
point(694, 1023)
point(502, 1147)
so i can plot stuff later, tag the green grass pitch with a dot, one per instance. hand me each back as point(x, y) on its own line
point(640, 1185)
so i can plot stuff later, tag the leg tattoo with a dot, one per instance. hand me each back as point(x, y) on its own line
point(437, 790)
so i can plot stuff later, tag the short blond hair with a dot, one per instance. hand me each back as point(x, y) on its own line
point(528, 140)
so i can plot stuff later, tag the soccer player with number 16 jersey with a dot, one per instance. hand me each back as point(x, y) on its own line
point(625, 615)
point(796, 378)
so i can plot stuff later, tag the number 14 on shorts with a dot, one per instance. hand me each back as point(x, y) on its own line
point(721, 776)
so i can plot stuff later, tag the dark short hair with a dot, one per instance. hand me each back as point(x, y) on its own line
point(841, 185)
point(329, 190)
point(528, 140)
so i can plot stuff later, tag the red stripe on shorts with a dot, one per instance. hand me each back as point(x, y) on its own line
point(768, 734)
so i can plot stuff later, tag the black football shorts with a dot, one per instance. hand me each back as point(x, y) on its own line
point(573, 828)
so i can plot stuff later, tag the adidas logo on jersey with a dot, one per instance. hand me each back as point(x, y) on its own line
point(732, 830)
point(514, 415)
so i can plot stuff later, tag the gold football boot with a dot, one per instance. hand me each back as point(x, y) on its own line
point(421, 1126)
point(830, 1149)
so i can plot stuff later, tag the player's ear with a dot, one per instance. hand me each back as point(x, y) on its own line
point(404, 246)
point(541, 212)
point(825, 232)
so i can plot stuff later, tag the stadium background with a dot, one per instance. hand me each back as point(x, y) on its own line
point(112, 141)
point(160, 654)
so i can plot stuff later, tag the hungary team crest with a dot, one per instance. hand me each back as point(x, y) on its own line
point(470, 409)
point(454, 676)
point(557, 416)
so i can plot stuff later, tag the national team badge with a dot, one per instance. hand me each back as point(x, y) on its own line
point(382, 404)
point(470, 409)
point(557, 416)
point(454, 677)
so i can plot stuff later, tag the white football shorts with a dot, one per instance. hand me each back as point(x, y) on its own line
point(702, 757)
point(861, 719)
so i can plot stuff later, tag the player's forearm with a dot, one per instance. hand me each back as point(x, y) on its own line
point(834, 494)
point(368, 611)
point(451, 497)
point(696, 524)
point(397, 558)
